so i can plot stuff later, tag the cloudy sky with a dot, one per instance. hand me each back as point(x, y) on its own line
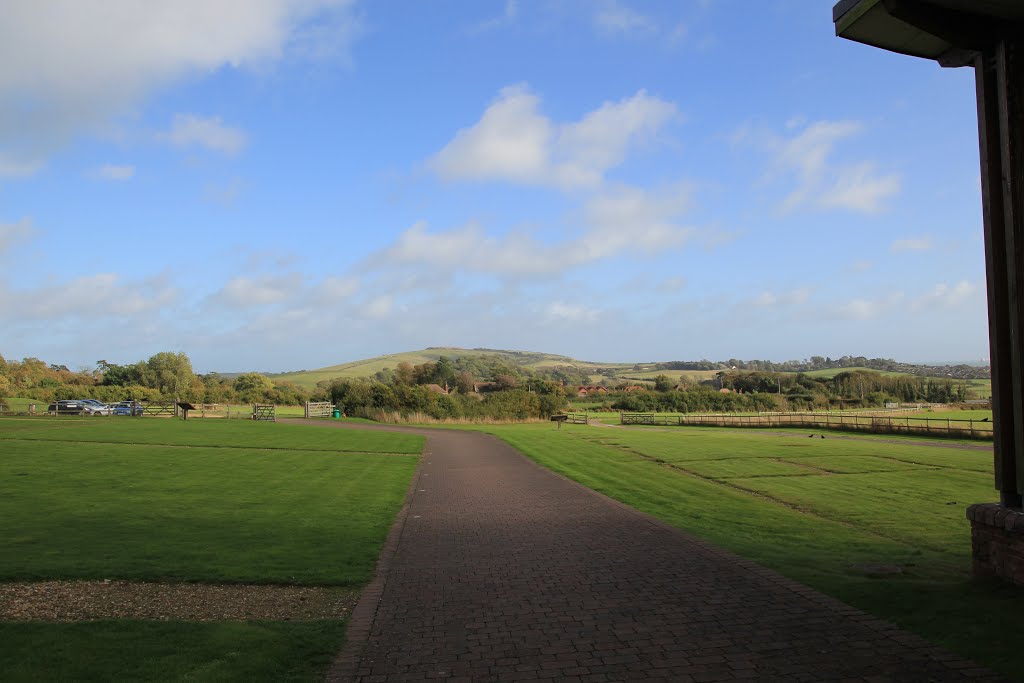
point(288, 184)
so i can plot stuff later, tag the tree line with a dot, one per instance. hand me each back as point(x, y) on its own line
point(813, 363)
point(771, 391)
point(471, 387)
point(163, 376)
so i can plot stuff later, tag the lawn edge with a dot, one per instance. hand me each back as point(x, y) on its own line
point(362, 616)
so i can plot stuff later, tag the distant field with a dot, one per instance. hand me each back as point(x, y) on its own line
point(819, 511)
point(212, 501)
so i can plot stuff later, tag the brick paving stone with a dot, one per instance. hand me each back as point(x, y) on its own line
point(499, 570)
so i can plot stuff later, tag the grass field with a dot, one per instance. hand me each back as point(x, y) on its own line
point(227, 434)
point(822, 511)
point(203, 501)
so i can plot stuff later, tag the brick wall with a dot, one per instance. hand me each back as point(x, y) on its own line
point(997, 542)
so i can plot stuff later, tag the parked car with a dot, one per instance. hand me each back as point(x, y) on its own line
point(94, 407)
point(66, 408)
point(128, 408)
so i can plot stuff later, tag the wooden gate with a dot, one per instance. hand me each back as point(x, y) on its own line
point(264, 412)
point(319, 409)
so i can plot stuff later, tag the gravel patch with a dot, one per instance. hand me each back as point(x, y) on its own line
point(65, 601)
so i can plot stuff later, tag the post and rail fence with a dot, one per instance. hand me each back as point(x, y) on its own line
point(879, 424)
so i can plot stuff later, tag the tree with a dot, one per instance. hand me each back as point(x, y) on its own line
point(252, 387)
point(662, 383)
point(404, 373)
point(465, 382)
point(444, 372)
point(168, 372)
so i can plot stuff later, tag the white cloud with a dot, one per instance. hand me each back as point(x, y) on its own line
point(560, 311)
point(629, 218)
point(615, 17)
point(378, 307)
point(860, 266)
point(190, 130)
point(469, 249)
point(509, 15)
point(92, 296)
point(248, 292)
point(512, 141)
point(624, 220)
point(335, 288)
point(859, 309)
point(13, 165)
point(820, 182)
point(69, 68)
point(922, 243)
point(793, 297)
point(946, 296)
point(15, 233)
point(114, 172)
point(860, 188)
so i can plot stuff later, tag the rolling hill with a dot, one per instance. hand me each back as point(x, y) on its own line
point(370, 366)
point(636, 372)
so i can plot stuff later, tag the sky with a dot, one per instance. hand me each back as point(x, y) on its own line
point(280, 185)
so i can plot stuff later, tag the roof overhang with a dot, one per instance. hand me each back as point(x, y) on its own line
point(948, 31)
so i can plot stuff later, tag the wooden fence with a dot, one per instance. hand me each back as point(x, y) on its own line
point(577, 418)
point(318, 409)
point(160, 408)
point(880, 424)
point(264, 412)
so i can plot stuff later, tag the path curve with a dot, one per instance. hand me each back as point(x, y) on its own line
point(500, 570)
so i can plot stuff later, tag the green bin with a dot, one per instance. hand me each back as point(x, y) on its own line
point(337, 413)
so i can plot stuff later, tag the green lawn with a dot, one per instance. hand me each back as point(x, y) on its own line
point(817, 510)
point(210, 501)
point(168, 651)
point(212, 433)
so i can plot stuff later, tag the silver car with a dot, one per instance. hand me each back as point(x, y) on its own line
point(93, 407)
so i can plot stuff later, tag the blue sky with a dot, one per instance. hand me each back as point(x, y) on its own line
point(287, 184)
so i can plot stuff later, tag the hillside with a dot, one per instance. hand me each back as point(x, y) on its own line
point(638, 372)
point(370, 366)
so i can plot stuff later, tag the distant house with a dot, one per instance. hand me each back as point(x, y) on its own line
point(591, 389)
point(725, 391)
point(631, 387)
point(436, 388)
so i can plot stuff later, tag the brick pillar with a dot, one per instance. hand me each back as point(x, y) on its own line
point(997, 542)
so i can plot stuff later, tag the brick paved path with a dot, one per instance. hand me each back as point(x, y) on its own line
point(499, 570)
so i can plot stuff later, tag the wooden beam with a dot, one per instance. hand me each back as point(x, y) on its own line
point(999, 79)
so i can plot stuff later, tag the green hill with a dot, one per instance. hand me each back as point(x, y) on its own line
point(370, 366)
point(628, 372)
